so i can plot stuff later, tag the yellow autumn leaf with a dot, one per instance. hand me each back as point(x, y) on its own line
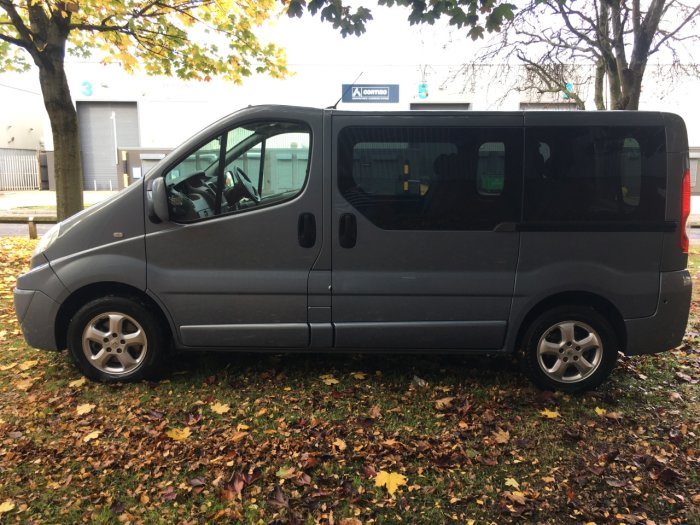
point(340, 444)
point(242, 426)
point(359, 375)
point(77, 383)
point(512, 482)
point(238, 435)
point(600, 411)
point(28, 364)
point(6, 506)
point(328, 379)
point(501, 436)
point(24, 384)
point(92, 435)
point(85, 408)
point(219, 408)
point(550, 414)
point(445, 402)
point(8, 366)
point(179, 434)
point(390, 480)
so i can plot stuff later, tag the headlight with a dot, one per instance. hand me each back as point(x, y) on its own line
point(47, 239)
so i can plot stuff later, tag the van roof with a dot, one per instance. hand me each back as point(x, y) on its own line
point(529, 117)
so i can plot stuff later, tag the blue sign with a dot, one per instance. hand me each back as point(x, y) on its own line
point(382, 93)
point(423, 90)
point(569, 88)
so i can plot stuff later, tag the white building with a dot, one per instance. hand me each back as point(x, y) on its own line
point(150, 115)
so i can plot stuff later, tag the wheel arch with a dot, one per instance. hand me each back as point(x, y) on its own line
point(576, 298)
point(94, 291)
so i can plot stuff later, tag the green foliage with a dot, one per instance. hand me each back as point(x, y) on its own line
point(191, 39)
point(334, 11)
point(476, 15)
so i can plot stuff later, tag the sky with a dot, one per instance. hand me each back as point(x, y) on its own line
point(389, 41)
point(320, 59)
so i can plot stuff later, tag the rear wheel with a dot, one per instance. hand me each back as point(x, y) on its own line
point(570, 348)
point(116, 338)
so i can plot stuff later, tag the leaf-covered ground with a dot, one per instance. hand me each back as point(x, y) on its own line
point(343, 439)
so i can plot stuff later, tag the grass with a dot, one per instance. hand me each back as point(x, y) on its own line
point(305, 435)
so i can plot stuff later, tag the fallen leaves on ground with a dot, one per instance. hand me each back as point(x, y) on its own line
point(391, 480)
point(77, 383)
point(179, 434)
point(259, 438)
point(550, 414)
point(219, 408)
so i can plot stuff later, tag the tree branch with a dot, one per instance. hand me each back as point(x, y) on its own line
point(26, 39)
point(672, 34)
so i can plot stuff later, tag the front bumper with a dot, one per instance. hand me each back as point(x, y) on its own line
point(35, 312)
point(38, 297)
point(665, 329)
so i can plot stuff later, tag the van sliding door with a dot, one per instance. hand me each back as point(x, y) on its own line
point(424, 249)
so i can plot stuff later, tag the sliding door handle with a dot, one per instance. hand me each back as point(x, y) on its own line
point(306, 230)
point(347, 230)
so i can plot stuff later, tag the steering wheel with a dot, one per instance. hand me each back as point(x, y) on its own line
point(250, 190)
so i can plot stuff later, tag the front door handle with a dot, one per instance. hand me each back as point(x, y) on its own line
point(306, 229)
point(347, 230)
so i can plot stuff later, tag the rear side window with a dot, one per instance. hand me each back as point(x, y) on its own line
point(490, 168)
point(431, 178)
point(594, 174)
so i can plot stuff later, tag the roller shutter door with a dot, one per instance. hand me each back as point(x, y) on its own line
point(104, 127)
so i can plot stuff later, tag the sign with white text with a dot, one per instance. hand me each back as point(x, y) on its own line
point(381, 93)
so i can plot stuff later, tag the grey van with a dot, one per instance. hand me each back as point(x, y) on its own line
point(556, 235)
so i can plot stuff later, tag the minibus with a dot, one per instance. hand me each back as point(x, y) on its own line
point(556, 236)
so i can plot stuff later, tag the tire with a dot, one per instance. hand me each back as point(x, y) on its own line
point(116, 338)
point(569, 348)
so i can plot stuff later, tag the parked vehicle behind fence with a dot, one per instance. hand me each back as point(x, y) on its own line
point(557, 235)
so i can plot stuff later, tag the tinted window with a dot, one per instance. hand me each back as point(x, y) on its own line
point(259, 164)
point(431, 178)
point(595, 174)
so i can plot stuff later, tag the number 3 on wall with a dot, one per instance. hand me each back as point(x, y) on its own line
point(87, 89)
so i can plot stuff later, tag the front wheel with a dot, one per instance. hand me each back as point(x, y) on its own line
point(116, 338)
point(569, 348)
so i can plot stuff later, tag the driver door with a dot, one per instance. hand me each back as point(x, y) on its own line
point(231, 266)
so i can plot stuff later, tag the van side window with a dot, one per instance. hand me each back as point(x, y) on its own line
point(594, 174)
point(490, 169)
point(431, 178)
point(259, 164)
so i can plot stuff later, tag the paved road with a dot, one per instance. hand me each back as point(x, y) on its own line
point(20, 230)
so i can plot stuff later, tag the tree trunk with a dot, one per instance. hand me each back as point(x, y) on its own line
point(634, 86)
point(66, 138)
point(599, 84)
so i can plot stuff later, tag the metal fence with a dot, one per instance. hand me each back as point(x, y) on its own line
point(19, 170)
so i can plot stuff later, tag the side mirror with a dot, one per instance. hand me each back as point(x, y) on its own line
point(159, 201)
